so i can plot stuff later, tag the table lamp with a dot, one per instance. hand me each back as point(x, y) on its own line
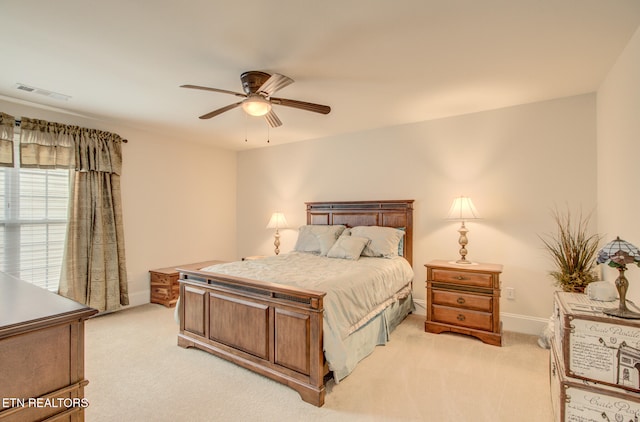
point(618, 254)
point(277, 221)
point(462, 210)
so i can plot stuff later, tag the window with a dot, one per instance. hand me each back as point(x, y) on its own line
point(33, 222)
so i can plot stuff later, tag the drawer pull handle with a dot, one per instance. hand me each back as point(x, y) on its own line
point(460, 300)
point(460, 278)
point(461, 317)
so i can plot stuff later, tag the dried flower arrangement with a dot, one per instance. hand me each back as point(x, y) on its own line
point(573, 251)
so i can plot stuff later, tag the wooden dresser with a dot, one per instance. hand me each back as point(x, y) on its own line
point(41, 354)
point(165, 287)
point(465, 299)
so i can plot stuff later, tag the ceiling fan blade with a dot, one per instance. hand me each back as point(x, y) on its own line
point(316, 108)
point(220, 111)
point(272, 119)
point(274, 83)
point(206, 88)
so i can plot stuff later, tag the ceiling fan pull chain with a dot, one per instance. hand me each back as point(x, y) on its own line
point(268, 134)
point(245, 127)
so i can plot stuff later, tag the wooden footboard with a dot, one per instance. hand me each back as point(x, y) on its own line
point(271, 329)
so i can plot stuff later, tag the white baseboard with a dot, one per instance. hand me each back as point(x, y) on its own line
point(421, 307)
point(510, 322)
point(139, 298)
point(523, 323)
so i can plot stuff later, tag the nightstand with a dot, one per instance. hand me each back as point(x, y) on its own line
point(464, 299)
point(165, 288)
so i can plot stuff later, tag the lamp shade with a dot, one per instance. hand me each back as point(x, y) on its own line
point(256, 105)
point(618, 253)
point(277, 221)
point(463, 209)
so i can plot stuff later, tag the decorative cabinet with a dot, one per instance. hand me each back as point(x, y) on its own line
point(594, 362)
point(165, 287)
point(41, 354)
point(464, 299)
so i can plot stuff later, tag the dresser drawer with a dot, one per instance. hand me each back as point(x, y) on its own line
point(462, 277)
point(462, 300)
point(462, 317)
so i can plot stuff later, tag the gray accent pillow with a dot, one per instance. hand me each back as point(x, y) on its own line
point(326, 241)
point(384, 240)
point(308, 240)
point(348, 247)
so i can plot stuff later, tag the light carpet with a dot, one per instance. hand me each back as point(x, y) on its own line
point(137, 372)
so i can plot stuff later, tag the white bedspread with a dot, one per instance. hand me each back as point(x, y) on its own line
point(356, 291)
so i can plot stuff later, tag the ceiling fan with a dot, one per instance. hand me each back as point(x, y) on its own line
point(258, 88)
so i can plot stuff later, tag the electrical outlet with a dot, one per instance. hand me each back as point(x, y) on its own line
point(510, 292)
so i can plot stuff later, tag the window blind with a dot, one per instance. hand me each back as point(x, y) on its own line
point(33, 222)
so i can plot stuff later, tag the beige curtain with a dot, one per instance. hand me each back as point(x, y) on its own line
point(6, 139)
point(94, 270)
point(94, 265)
point(46, 144)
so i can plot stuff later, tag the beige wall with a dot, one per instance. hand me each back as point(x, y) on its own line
point(178, 198)
point(516, 163)
point(182, 200)
point(618, 107)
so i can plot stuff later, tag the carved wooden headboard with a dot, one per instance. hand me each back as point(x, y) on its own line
point(398, 214)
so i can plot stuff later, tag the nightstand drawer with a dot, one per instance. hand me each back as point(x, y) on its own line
point(163, 279)
point(462, 300)
point(462, 277)
point(162, 293)
point(164, 284)
point(462, 317)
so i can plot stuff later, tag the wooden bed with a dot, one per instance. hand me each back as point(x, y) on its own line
point(273, 329)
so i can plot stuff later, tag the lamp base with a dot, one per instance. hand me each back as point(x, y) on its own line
point(622, 313)
point(276, 242)
point(463, 264)
point(622, 285)
point(463, 241)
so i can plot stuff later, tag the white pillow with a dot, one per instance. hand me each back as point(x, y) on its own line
point(348, 247)
point(308, 237)
point(326, 241)
point(384, 240)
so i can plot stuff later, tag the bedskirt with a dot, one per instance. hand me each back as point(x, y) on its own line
point(376, 332)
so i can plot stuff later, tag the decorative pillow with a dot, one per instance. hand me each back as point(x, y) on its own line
point(401, 243)
point(348, 247)
point(308, 237)
point(385, 241)
point(326, 241)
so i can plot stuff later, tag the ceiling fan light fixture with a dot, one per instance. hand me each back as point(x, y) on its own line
point(257, 98)
point(256, 105)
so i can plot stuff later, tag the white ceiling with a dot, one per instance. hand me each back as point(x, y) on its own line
point(375, 62)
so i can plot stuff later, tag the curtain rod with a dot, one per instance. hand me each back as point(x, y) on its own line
point(18, 122)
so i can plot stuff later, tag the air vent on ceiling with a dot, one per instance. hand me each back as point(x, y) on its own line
point(46, 93)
